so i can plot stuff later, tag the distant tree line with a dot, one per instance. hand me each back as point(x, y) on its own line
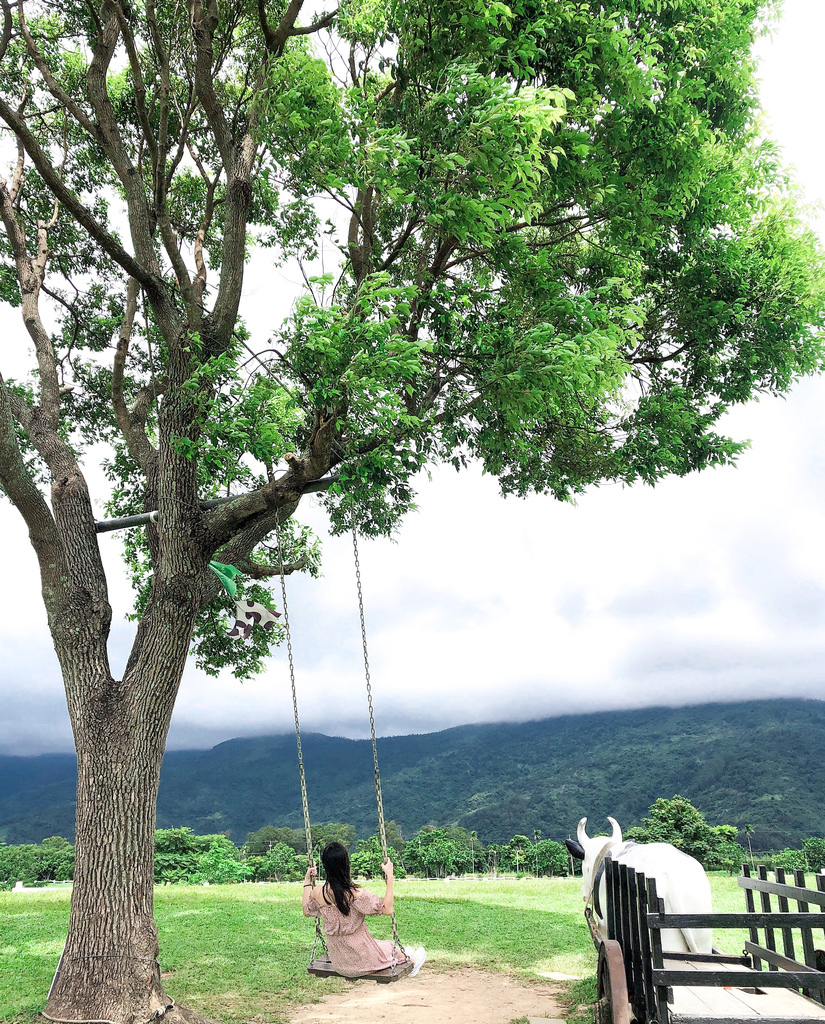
point(36, 864)
point(678, 822)
point(278, 854)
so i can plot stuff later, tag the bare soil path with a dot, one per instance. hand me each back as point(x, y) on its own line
point(461, 996)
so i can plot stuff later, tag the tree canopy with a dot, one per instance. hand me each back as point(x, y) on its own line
point(545, 236)
point(557, 244)
point(678, 822)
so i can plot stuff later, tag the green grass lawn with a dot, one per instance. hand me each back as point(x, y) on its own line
point(239, 952)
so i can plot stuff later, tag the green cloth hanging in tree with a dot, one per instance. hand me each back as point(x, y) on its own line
point(226, 574)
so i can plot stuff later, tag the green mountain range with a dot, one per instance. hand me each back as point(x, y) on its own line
point(760, 763)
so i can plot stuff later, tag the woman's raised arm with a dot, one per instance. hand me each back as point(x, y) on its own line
point(309, 880)
point(389, 873)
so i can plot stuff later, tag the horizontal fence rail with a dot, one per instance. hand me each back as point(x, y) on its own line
point(739, 979)
point(756, 920)
point(794, 892)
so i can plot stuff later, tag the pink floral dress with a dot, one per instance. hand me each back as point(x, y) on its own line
point(351, 948)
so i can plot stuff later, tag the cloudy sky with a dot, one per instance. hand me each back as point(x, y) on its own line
point(708, 588)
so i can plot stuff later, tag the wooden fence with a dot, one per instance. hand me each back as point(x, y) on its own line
point(636, 917)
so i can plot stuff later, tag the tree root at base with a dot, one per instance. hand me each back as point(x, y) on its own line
point(174, 1015)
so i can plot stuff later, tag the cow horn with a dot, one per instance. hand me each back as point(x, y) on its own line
point(581, 831)
point(617, 832)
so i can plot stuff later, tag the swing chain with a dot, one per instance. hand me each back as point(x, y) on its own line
point(319, 935)
point(382, 829)
point(304, 800)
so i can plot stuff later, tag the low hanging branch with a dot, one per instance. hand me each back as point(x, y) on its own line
point(144, 518)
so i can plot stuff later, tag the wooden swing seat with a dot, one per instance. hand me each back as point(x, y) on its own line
point(322, 968)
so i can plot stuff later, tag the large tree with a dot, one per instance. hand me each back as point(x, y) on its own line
point(562, 251)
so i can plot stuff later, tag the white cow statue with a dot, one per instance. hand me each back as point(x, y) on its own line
point(680, 881)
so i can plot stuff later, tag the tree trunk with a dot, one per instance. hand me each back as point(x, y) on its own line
point(110, 970)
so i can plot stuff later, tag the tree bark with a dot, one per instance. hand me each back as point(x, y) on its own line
point(110, 967)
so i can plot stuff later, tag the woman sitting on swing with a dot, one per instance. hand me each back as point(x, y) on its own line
point(342, 906)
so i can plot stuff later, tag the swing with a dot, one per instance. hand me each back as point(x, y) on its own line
point(320, 965)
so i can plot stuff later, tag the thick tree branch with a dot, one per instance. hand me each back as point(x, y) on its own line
point(32, 506)
point(226, 521)
point(363, 218)
point(132, 424)
point(73, 579)
point(8, 25)
point(145, 518)
point(140, 219)
point(30, 279)
point(162, 177)
point(150, 281)
point(255, 571)
point(204, 21)
point(323, 22)
point(238, 197)
point(181, 271)
point(200, 239)
point(54, 87)
point(140, 86)
point(238, 158)
point(276, 39)
point(17, 177)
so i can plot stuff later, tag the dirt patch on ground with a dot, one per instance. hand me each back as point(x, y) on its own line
point(462, 996)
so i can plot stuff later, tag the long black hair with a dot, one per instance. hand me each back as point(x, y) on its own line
point(336, 867)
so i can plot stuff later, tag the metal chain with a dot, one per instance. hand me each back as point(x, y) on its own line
point(319, 935)
point(382, 829)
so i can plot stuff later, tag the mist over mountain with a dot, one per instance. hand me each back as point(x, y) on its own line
point(759, 763)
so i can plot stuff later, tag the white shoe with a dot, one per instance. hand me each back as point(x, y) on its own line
point(418, 956)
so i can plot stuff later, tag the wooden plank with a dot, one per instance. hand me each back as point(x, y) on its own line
point(739, 1001)
point(612, 893)
point(784, 908)
point(777, 959)
point(775, 1002)
point(730, 1002)
point(624, 928)
point(725, 1004)
point(795, 892)
point(765, 897)
point(688, 1002)
point(647, 955)
point(638, 996)
point(807, 933)
point(698, 964)
point(723, 1001)
point(750, 906)
point(692, 1002)
point(740, 979)
point(656, 904)
point(743, 1018)
point(710, 958)
point(759, 919)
